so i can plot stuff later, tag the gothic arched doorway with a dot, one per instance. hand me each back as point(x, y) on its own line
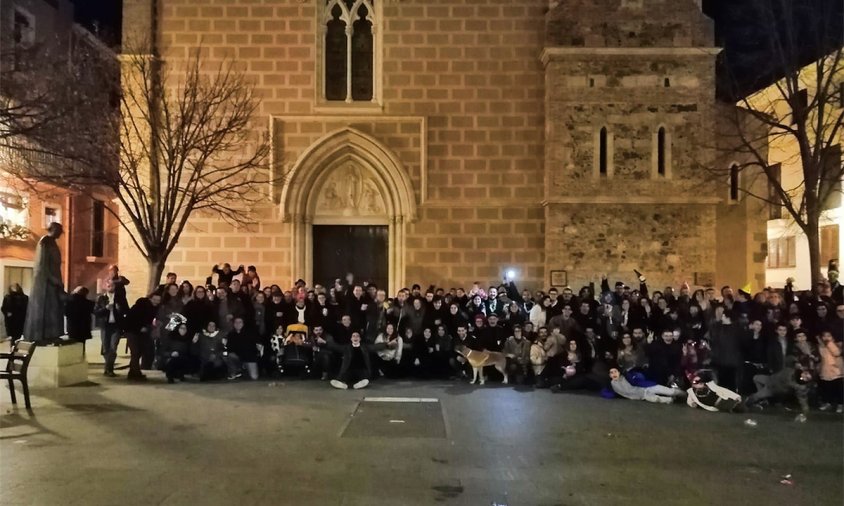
point(348, 180)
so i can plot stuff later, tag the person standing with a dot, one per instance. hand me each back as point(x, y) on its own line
point(14, 311)
point(725, 340)
point(141, 322)
point(45, 316)
point(109, 317)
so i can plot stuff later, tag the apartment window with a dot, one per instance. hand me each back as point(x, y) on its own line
point(774, 200)
point(602, 151)
point(661, 146)
point(349, 51)
point(799, 103)
point(23, 31)
point(52, 214)
point(829, 243)
point(734, 183)
point(782, 252)
point(831, 174)
point(98, 229)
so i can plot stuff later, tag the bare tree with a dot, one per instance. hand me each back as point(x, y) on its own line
point(182, 141)
point(801, 41)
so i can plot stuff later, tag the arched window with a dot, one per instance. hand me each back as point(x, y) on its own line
point(660, 151)
point(603, 155)
point(734, 183)
point(348, 50)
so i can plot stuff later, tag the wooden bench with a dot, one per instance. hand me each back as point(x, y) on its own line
point(16, 366)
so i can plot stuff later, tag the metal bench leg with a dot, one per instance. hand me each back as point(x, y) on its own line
point(12, 391)
point(25, 385)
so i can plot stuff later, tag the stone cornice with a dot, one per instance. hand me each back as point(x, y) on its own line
point(553, 53)
point(635, 200)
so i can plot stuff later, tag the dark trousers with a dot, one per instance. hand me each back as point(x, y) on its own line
point(352, 376)
point(831, 392)
point(138, 343)
point(728, 377)
point(213, 369)
point(177, 367)
point(148, 353)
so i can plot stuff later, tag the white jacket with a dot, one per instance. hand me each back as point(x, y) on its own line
point(389, 354)
point(721, 392)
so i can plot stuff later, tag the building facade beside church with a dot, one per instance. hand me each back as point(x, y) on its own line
point(446, 141)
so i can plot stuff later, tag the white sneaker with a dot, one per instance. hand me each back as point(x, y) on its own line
point(840, 409)
point(339, 384)
point(361, 384)
point(801, 418)
point(825, 406)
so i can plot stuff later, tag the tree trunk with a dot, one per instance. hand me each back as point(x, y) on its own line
point(814, 236)
point(156, 269)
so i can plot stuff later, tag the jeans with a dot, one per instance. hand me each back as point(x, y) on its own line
point(662, 394)
point(110, 337)
point(766, 389)
point(235, 365)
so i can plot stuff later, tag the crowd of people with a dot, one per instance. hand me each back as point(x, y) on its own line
point(719, 351)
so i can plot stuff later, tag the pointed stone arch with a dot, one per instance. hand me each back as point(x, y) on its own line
point(347, 177)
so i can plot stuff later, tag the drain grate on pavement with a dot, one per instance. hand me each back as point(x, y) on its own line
point(393, 417)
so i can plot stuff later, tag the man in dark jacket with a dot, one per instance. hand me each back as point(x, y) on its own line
point(725, 341)
point(241, 349)
point(356, 368)
point(494, 336)
point(664, 358)
point(139, 325)
point(109, 316)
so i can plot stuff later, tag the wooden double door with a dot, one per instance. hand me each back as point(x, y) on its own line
point(360, 249)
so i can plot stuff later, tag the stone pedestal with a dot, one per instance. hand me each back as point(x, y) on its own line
point(58, 366)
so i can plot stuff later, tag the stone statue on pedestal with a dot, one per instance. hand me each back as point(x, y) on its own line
point(45, 313)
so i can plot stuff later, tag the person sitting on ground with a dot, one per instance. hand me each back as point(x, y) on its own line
point(356, 369)
point(705, 393)
point(631, 356)
point(656, 393)
point(210, 350)
point(241, 350)
point(390, 356)
point(175, 354)
point(517, 351)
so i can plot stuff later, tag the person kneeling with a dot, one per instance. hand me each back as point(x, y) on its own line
point(356, 369)
point(655, 393)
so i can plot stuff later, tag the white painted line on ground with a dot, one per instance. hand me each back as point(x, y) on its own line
point(400, 399)
point(396, 421)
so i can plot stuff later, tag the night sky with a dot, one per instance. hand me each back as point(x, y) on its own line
point(744, 65)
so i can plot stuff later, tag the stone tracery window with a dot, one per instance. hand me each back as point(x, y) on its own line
point(349, 52)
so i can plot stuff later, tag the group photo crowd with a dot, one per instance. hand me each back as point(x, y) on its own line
point(726, 350)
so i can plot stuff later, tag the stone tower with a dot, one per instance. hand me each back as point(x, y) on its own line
point(629, 101)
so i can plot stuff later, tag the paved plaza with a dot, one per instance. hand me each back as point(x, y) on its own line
point(303, 443)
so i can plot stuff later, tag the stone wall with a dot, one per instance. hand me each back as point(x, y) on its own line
point(487, 132)
point(667, 243)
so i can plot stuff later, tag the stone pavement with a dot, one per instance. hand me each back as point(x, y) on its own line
point(299, 443)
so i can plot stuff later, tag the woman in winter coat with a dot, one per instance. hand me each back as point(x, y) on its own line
point(455, 318)
point(78, 310)
point(175, 354)
point(831, 373)
point(630, 356)
point(539, 313)
point(390, 356)
point(199, 311)
point(14, 311)
point(210, 351)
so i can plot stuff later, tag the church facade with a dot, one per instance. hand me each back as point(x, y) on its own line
point(448, 141)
